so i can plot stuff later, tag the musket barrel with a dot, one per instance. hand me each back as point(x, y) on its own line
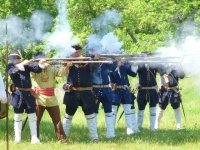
point(120, 55)
point(150, 61)
point(62, 59)
point(82, 62)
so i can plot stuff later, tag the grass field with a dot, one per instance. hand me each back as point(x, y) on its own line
point(166, 138)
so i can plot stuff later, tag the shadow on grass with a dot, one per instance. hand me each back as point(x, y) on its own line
point(80, 134)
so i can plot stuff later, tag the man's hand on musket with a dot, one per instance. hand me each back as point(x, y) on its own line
point(25, 62)
point(135, 63)
point(43, 63)
point(21, 65)
point(96, 57)
point(69, 64)
point(120, 63)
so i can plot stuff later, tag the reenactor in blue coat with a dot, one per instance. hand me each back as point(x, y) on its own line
point(104, 94)
point(79, 93)
point(21, 97)
point(147, 92)
point(119, 80)
point(170, 94)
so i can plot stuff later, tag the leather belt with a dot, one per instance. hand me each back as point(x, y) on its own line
point(81, 88)
point(175, 88)
point(25, 89)
point(150, 88)
point(101, 86)
point(122, 86)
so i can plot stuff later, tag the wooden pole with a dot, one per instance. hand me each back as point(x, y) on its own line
point(7, 139)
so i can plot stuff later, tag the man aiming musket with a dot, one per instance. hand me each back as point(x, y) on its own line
point(79, 93)
point(44, 84)
point(21, 97)
point(170, 93)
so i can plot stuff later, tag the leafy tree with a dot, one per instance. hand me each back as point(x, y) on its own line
point(145, 26)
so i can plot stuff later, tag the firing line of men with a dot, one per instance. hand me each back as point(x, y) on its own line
point(88, 85)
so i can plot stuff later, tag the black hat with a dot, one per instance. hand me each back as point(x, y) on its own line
point(15, 54)
point(77, 47)
point(38, 55)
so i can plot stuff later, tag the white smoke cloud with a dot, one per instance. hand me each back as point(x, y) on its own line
point(186, 53)
point(110, 44)
point(22, 32)
point(104, 41)
point(61, 38)
point(40, 23)
point(106, 21)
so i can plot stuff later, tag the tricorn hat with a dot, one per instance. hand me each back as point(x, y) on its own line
point(15, 54)
point(38, 55)
point(77, 47)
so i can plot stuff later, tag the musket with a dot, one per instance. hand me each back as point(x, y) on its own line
point(120, 55)
point(7, 140)
point(80, 62)
point(150, 61)
point(62, 59)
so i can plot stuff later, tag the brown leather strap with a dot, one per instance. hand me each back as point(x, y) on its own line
point(122, 86)
point(174, 88)
point(101, 86)
point(25, 89)
point(81, 88)
point(149, 88)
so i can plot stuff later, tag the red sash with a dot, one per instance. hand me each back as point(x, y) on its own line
point(47, 91)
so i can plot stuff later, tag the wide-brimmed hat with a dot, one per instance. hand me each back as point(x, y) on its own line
point(15, 54)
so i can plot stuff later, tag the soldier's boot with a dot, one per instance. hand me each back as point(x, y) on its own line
point(177, 113)
point(114, 110)
point(128, 119)
point(67, 121)
point(18, 127)
point(135, 124)
point(33, 128)
point(159, 115)
point(110, 125)
point(152, 118)
point(92, 126)
point(140, 118)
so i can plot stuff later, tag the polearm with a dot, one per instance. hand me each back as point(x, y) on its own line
point(7, 140)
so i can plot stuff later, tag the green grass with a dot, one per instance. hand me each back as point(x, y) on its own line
point(166, 138)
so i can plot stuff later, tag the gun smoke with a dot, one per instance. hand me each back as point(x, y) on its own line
point(104, 40)
point(61, 38)
point(185, 55)
point(22, 32)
